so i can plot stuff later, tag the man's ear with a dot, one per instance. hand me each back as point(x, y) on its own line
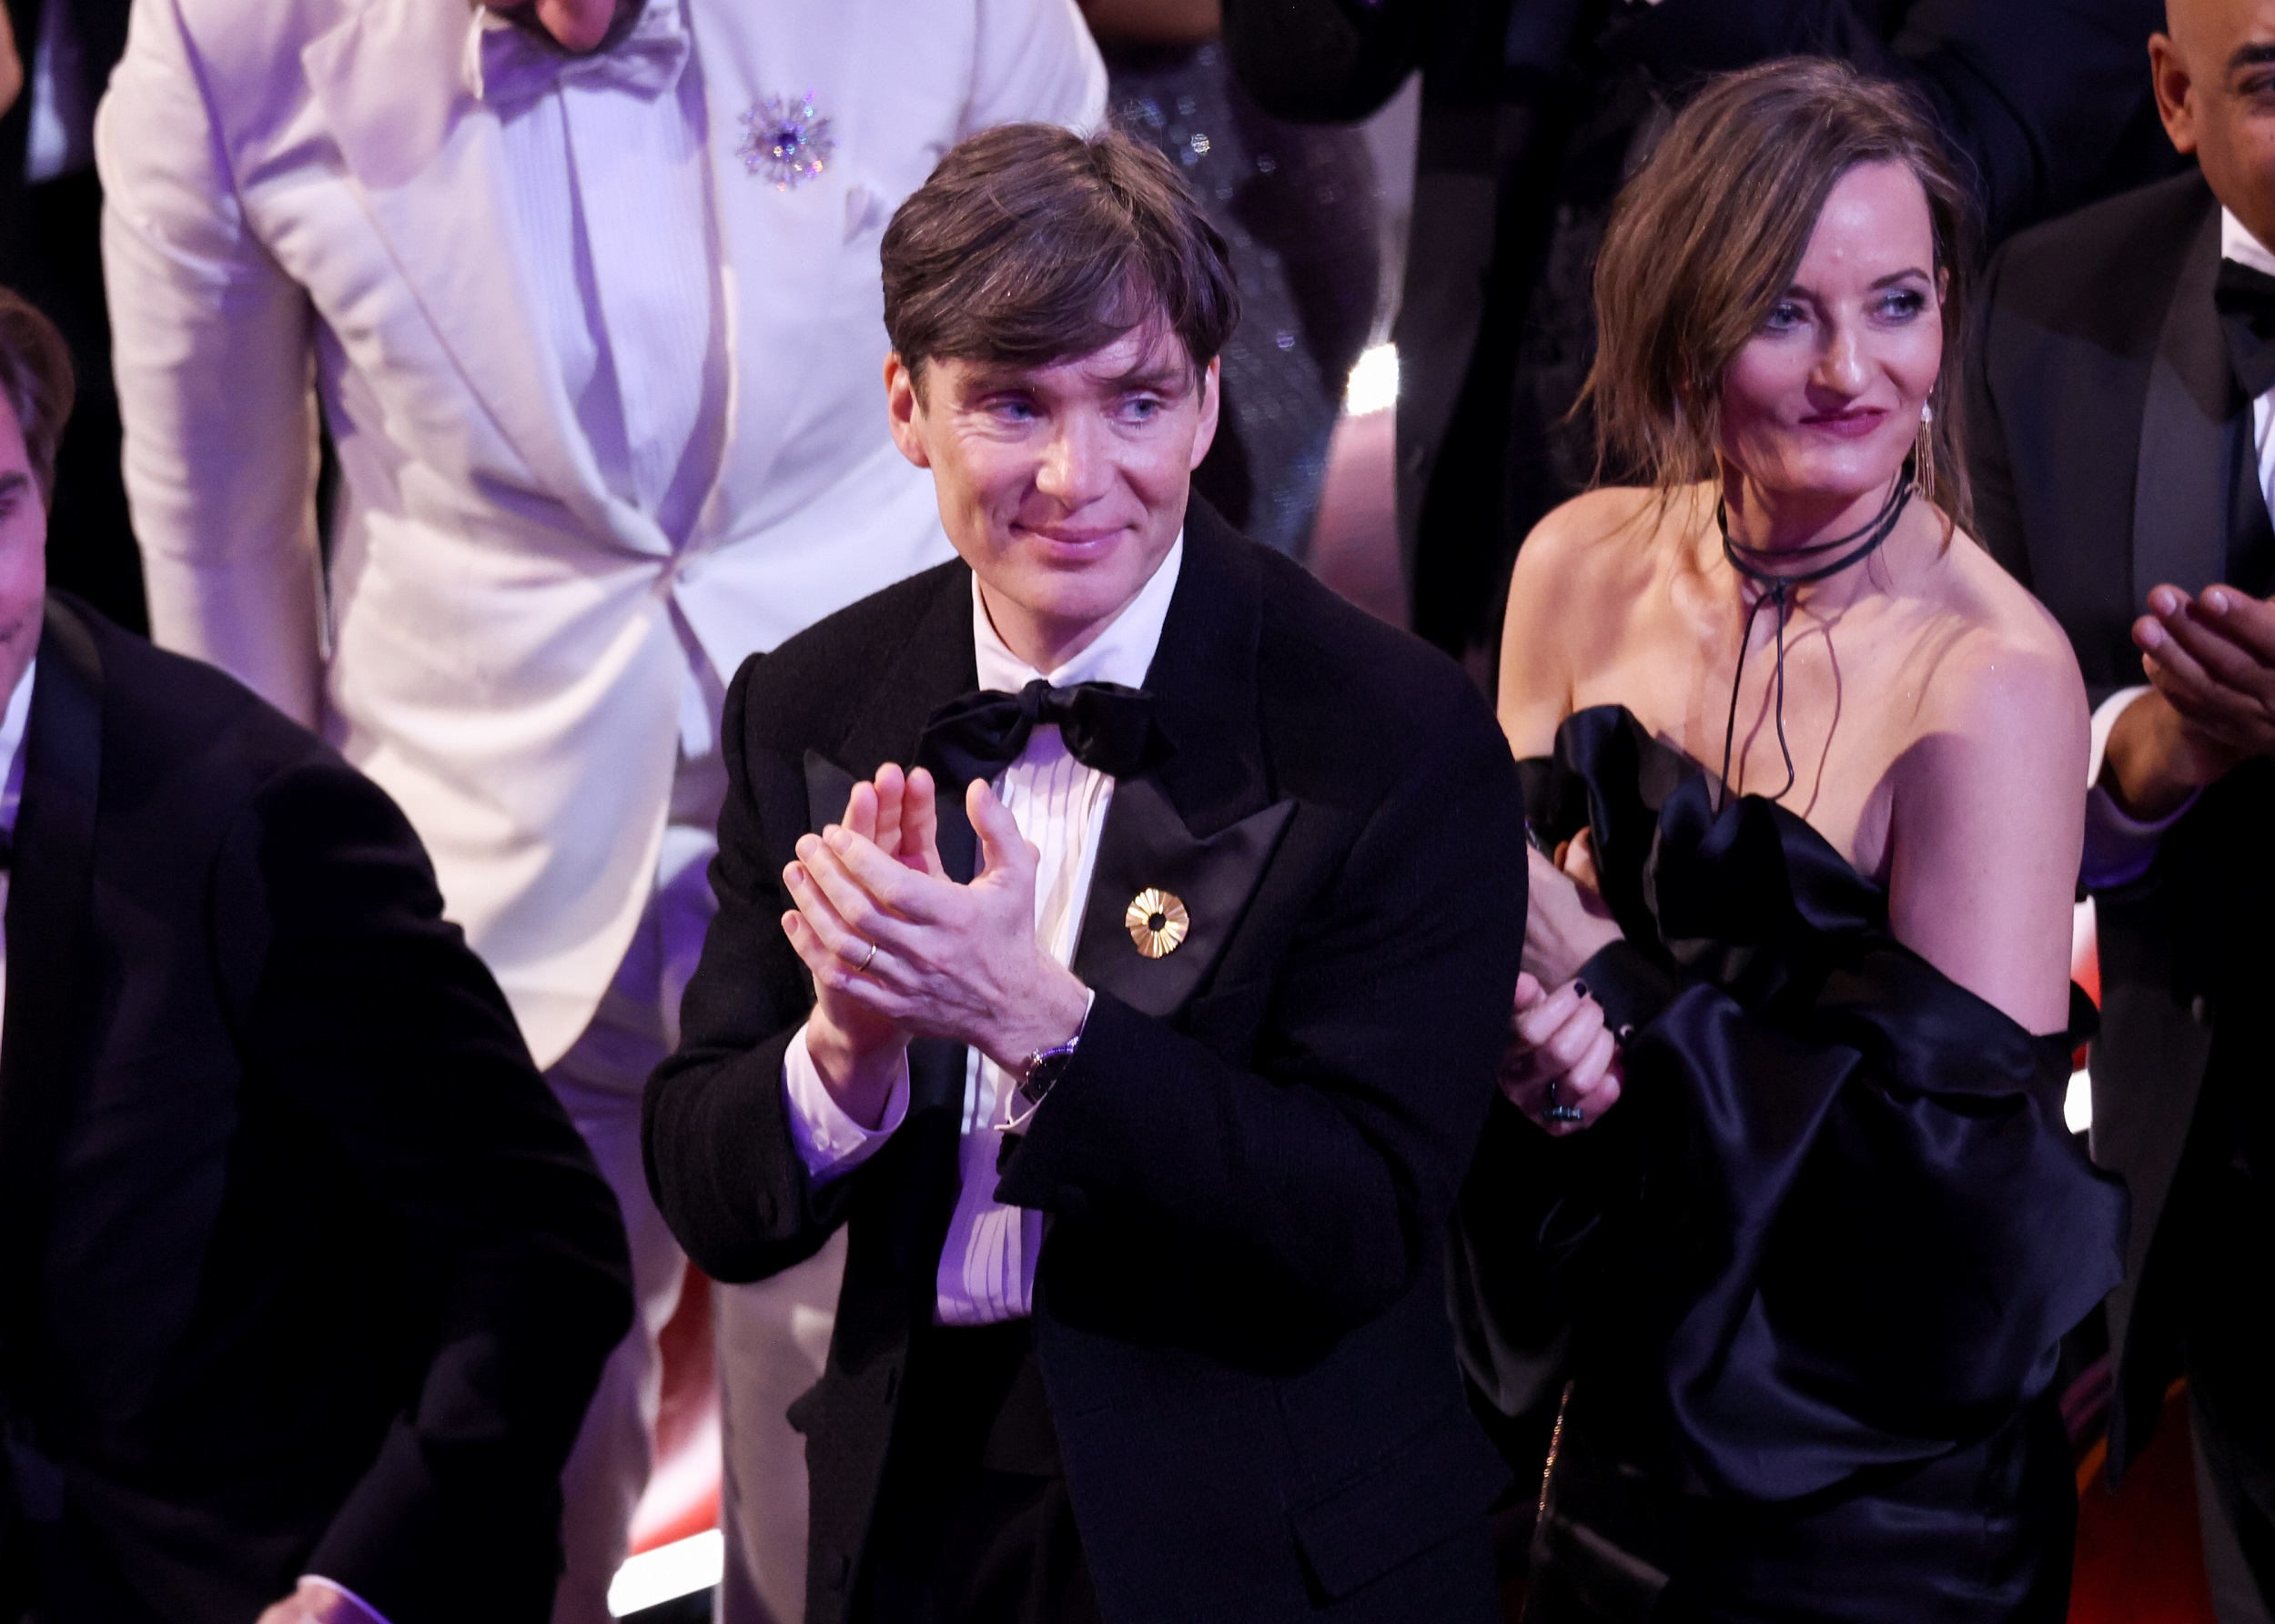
point(904, 410)
point(1211, 398)
point(2169, 75)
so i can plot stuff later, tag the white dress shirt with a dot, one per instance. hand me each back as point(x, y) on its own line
point(988, 1264)
point(2119, 847)
point(13, 722)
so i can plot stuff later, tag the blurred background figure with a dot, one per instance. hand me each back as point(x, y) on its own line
point(55, 56)
point(2123, 445)
point(1297, 205)
point(586, 293)
point(308, 1279)
point(1534, 111)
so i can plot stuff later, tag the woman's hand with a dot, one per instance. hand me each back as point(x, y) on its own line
point(1566, 923)
point(1560, 1057)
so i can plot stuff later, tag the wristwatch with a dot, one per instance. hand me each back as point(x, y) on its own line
point(1045, 1067)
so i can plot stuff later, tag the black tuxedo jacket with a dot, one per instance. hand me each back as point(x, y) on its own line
point(302, 1268)
point(1240, 1311)
point(2106, 427)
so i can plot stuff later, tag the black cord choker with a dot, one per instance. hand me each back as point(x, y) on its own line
point(1777, 587)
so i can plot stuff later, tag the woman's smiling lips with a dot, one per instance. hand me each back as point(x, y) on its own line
point(1855, 423)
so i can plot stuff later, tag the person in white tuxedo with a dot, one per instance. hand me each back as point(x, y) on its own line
point(587, 295)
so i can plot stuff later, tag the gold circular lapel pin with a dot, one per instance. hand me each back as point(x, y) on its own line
point(1157, 922)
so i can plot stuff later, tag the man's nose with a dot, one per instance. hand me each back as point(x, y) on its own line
point(1078, 466)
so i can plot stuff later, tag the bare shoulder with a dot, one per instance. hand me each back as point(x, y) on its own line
point(2003, 667)
point(1575, 576)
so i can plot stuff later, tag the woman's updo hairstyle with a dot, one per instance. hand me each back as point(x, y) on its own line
point(1707, 235)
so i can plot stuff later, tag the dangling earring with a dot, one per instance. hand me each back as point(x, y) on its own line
point(1923, 453)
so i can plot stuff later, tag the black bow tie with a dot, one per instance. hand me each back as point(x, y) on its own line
point(2245, 299)
point(1106, 726)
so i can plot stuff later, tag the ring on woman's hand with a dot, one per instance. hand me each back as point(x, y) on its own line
point(865, 958)
point(1560, 1112)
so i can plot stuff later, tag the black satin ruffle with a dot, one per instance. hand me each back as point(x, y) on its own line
point(1842, 1228)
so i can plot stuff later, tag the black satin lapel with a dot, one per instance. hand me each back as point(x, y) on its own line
point(2181, 488)
point(48, 1025)
point(1147, 846)
point(1204, 677)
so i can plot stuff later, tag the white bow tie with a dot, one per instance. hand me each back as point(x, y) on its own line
point(508, 66)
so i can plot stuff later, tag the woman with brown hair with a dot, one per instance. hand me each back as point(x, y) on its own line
point(1806, 775)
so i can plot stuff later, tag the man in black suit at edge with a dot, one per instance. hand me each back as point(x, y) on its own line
point(1145, 1059)
point(2123, 424)
point(305, 1279)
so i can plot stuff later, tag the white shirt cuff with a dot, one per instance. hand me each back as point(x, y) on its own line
point(830, 1143)
point(350, 1607)
point(2119, 847)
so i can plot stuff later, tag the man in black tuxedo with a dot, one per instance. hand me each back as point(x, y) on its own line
point(305, 1278)
point(1145, 1058)
point(1534, 113)
point(2122, 420)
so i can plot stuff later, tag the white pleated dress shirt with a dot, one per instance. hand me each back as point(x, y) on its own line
point(2119, 847)
point(988, 1264)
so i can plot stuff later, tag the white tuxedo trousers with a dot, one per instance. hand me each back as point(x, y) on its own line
point(771, 1336)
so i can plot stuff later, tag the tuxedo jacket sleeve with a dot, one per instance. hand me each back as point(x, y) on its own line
point(365, 1011)
point(213, 347)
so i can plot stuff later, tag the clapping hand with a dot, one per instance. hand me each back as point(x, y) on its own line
point(1562, 1067)
point(857, 1051)
point(2211, 662)
point(896, 947)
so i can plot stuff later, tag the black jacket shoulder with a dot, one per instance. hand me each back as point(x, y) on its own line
point(802, 680)
point(1382, 700)
point(175, 722)
point(2105, 274)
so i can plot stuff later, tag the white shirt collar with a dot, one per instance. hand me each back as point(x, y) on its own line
point(13, 722)
point(2237, 243)
point(1122, 653)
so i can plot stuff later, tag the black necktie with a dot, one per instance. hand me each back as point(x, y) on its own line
point(2245, 299)
point(1106, 726)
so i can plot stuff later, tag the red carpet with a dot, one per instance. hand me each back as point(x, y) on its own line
point(2139, 1556)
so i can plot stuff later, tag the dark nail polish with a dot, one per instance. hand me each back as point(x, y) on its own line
point(1580, 987)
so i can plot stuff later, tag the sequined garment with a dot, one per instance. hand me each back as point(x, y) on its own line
point(1297, 205)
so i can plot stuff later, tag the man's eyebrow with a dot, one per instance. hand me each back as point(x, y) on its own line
point(1163, 376)
point(2256, 54)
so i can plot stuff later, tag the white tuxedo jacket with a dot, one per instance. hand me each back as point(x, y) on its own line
point(305, 202)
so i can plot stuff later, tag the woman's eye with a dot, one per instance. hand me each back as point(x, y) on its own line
point(1784, 316)
point(1904, 303)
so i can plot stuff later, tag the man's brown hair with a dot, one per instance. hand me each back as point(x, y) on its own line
point(1707, 235)
point(35, 378)
point(1030, 245)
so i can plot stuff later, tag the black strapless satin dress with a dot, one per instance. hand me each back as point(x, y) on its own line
point(1809, 1275)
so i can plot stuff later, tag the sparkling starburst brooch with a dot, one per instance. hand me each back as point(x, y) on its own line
point(785, 141)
